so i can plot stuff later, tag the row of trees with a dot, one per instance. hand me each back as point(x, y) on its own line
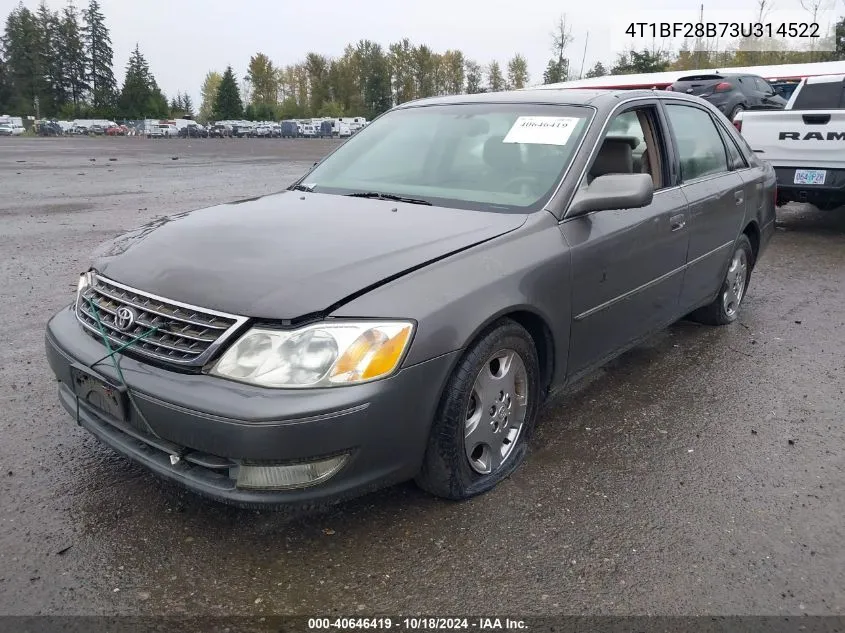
point(59, 64)
point(366, 80)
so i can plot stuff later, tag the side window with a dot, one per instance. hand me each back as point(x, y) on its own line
point(735, 157)
point(700, 146)
point(632, 145)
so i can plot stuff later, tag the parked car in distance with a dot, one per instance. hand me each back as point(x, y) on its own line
point(308, 130)
point(731, 93)
point(193, 131)
point(402, 311)
point(220, 131)
point(48, 128)
point(96, 130)
point(290, 129)
point(6, 129)
point(242, 131)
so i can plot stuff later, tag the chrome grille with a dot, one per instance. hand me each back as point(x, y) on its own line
point(186, 335)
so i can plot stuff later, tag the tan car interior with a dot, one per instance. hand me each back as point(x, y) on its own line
point(630, 147)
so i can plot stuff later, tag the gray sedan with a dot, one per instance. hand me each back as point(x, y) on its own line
point(402, 310)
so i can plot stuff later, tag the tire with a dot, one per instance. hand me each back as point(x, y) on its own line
point(725, 307)
point(454, 469)
point(737, 109)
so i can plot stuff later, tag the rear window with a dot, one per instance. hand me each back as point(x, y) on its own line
point(828, 95)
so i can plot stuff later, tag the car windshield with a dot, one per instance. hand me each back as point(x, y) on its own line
point(476, 156)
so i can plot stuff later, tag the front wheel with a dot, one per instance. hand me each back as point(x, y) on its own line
point(486, 415)
point(725, 308)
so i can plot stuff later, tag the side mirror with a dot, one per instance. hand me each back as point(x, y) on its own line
point(613, 191)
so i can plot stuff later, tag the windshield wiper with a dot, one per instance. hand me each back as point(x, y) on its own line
point(388, 196)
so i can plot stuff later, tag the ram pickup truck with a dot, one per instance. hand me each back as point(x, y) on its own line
point(805, 142)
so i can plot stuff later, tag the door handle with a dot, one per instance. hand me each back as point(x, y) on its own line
point(678, 222)
point(739, 197)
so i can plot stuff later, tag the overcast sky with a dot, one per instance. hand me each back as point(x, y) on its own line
point(184, 39)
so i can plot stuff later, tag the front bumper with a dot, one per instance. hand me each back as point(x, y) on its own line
point(214, 424)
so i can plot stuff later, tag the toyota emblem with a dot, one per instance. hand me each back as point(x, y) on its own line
point(124, 318)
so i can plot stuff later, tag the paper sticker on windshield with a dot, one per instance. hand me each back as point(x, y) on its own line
point(542, 130)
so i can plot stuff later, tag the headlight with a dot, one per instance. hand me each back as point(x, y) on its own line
point(86, 280)
point(322, 355)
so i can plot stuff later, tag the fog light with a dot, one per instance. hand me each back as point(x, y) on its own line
point(290, 475)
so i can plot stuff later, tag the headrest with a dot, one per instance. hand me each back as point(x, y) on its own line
point(614, 157)
point(502, 156)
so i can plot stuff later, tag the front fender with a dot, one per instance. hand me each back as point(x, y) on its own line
point(453, 299)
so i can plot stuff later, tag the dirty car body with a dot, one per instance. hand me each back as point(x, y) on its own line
point(347, 333)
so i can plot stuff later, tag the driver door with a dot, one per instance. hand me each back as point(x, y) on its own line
point(627, 264)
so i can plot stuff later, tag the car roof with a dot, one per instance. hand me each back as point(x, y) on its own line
point(599, 98)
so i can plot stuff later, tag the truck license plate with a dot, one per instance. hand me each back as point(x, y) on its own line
point(809, 176)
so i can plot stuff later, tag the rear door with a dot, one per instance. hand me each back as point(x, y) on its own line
point(716, 195)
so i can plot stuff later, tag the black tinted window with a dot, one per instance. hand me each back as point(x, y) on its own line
point(700, 146)
point(820, 96)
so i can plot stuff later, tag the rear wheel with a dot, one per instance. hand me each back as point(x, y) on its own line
point(737, 109)
point(486, 415)
point(725, 308)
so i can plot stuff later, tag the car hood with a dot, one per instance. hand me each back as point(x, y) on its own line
point(290, 254)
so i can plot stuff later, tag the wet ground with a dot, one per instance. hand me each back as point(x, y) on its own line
point(701, 473)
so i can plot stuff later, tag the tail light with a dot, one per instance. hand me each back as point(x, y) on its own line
point(738, 124)
point(723, 86)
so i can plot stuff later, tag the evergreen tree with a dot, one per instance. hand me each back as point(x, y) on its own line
point(5, 88)
point(475, 78)
point(188, 105)
point(140, 97)
point(99, 59)
point(70, 48)
point(597, 71)
point(52, 95)
point(228, 104)
point(376, 94)
point(556, 71)
point(21, 45)
point(495, 79)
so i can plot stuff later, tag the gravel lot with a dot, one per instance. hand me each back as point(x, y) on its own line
point(701, 473)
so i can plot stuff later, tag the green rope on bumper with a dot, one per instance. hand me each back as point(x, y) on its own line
point(113, 352)
point(116, 361)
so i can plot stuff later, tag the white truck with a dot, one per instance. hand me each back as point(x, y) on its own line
point(805, 142)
